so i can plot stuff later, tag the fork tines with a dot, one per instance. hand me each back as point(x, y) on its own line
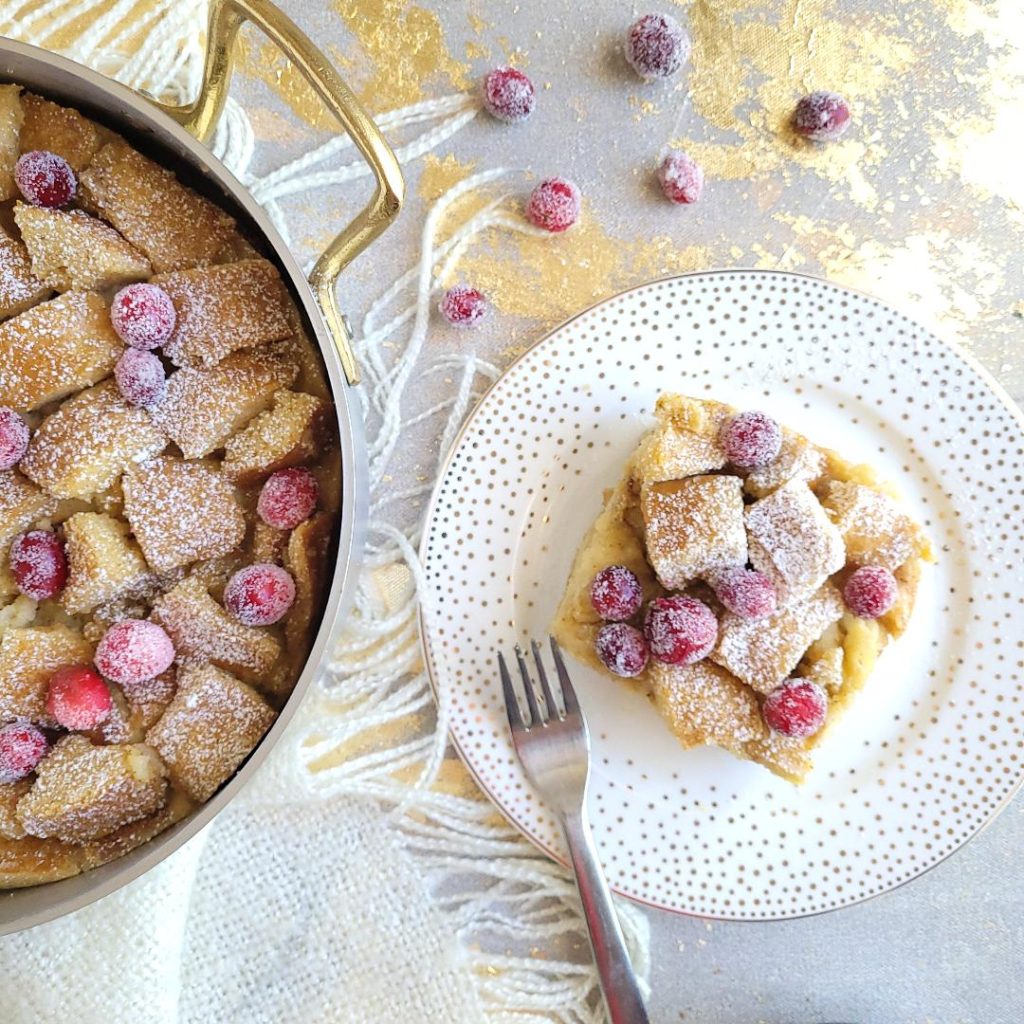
point(540, 711)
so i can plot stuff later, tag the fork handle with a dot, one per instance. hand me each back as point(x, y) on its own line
point(618, 979)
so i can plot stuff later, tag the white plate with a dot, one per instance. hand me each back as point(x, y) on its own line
point(932, 748)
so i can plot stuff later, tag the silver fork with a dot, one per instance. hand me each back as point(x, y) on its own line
point(554, 748)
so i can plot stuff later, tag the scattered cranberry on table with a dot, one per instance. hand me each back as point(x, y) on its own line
point(22, 747)
point(821, 117)
point(288, 498)
point(78, 698)
point(616, 593)
point(39, 564)
point(141, 377)
point(680, 630)
point(508, 95)
point(14, 438)
point(45, 179)
point(657, 46)
point(143, 315)
point(259, 595)
point(751, 440)
point(463, 306)
point(870, 591)
point(554, 205)
point(681, 178)
point(795, 708)
point(622, 649)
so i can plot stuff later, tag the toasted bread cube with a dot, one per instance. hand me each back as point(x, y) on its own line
point(174, 226)
point(693, 527)
point(56, 348)
point(30, 861)
point(306, 559)
point(684, 443)
point(874, 528)
point(290, 434)
point(793, 541)
point(21, 504)
point(11, 117)
point(28, 658)
point(203, 408)
point(203, 631)
point(224, 309)
point(209, 729)
point(59, 130)
point(82, 448)
point(705, 704)
point(10, 794)
point(762, 652)
point(19, 287)
point(150, 699)
point(83, 792)
point(104, 563)
point(181, 512)
point(798, 459)
point(786, 756)
point(70, 249)
point(268, 543)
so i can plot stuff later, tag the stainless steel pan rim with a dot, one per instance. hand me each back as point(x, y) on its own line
point(139, 118)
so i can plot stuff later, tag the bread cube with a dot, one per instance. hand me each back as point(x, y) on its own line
point(84, 792)
point(203, 631)
point(56, 348)
point(793, 541)
point(11, 117)
point(874, 528)
point(69, 249)
point(203, 408)
point(181, 512)
point(307, 560)
point(20, 289)
point(28, 658)
point(209, 729)
point(83, 447)
point(224, 309)
point(10, 794)
point(21, 504)
point(685, 441)
point(56, 129)
point(268, 543)
point(104, 563)
point(798, 459)
point(173, 226)
point(763, 652)
point(693, 527)
point(291, 433)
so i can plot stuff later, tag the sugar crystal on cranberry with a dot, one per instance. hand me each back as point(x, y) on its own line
point(508, 95)
point(38, 564)
point(259, 595)
point(463, 306)
point(554, 205)
point(45, 179)
point(622, 649)
point(795, 708)
point(22, 747)
point(870, 591)
point(821, 116)
point(143, 315)
point(78, 698)
point(133, 651)
point(14, 438)
point(680, 630)
point(681, 178)
point(657, 46)
point(141, 377)
point(616, 593)
point(288, 498)
point(745, 592)
point(751, 439)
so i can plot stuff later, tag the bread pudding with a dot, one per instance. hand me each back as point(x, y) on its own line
point(745, 579)
point(169, 491)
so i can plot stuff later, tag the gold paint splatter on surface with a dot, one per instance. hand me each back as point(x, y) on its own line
point(439, 174)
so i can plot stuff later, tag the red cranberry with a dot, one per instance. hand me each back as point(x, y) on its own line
point(616, 593)
point(14, 435)
point(622, 649)
point(78, 698)
point(288, 498)
point(133, 651)
point(508, 95)
point(870, 591)
point(45, 179)
point(143, 315)
point(259, 595)
point(22, 747)
point(751, 439)
point(657, 46)
point(682, 179)
point(795, 708)
point(554, 205)
point(463, 306)
point(140, 377)
point(39, 565)
point(680, 630)
point(821, 116)
point(745, 592)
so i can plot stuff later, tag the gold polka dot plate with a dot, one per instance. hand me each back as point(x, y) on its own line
point(931, 749)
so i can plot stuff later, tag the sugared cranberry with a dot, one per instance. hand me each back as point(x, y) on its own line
point(45, 179)
point(795, 708)
point(554, 205)
point(622, 649)
point(14, 435)
point(680, 630)
point(143, 315)
point(821, 116)
point(656, 46)
point(682, 179)
point(616, 593)
point(745, 592)
point(133, 651)
point(22, 747)
point(508, 95)
point(78, 698)
point(751, 439)
point(463, 306)
point(141, 377)
point(288, 498)
point(870, 591)
point(39, 565)
point(259, 595)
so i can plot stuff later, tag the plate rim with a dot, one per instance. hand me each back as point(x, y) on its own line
point(956, 347)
